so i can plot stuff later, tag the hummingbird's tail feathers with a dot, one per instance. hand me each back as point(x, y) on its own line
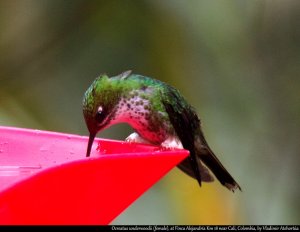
point(186, 167)
point(212, 162)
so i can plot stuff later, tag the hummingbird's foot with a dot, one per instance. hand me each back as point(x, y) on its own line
point(171, 143)
point(136, 138)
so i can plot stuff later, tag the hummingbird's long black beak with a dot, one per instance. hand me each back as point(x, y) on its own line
point(90, 144)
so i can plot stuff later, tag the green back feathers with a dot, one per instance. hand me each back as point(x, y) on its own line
point(108, 91)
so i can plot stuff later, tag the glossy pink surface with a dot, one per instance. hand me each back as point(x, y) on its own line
point(45, 177)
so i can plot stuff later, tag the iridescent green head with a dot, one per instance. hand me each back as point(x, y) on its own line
point(100, 103)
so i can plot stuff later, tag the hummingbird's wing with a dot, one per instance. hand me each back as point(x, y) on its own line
point(187, 127)
point(185, 122)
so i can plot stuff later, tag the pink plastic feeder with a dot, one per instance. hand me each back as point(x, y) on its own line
point(46, 179)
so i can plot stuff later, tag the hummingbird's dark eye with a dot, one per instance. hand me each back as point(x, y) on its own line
point(100, 115)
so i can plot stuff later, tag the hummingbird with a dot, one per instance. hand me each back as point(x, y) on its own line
point(159, 115)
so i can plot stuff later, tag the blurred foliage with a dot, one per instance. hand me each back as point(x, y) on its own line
point(237, 62)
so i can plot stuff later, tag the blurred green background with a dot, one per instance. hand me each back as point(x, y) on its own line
point(237, 62)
